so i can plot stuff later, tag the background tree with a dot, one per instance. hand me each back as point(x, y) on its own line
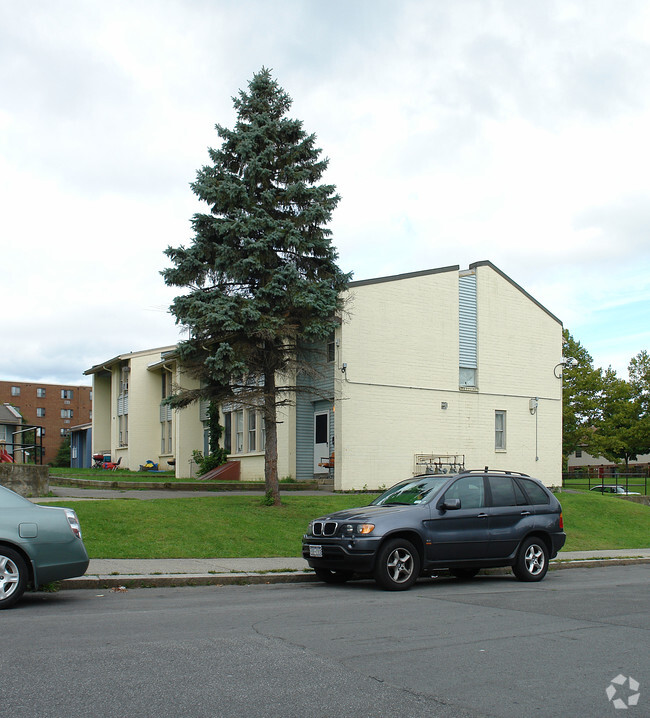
point(261, 271)
point(581, 399)
point(62, 458)
point(623, 431)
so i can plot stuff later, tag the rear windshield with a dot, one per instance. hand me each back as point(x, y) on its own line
point(411, 491)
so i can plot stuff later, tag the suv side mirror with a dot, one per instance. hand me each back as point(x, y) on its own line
point(450, 504)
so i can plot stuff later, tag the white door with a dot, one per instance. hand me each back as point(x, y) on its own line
point(321, 441)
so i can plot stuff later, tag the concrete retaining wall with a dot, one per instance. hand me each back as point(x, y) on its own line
point(25, 479)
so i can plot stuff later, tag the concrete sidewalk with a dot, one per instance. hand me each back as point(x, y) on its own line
point(134, 573)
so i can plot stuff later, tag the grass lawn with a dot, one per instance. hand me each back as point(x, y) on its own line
point(119, 475)
point(240, 527)
point(593, 521)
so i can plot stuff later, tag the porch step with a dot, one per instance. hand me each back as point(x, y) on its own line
point(325, 483)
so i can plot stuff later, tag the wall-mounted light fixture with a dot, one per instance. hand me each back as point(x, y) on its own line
point(443, 405)
point(566, 361)
point(532, 405)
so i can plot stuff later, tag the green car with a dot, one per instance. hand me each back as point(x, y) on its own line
point(38, 545)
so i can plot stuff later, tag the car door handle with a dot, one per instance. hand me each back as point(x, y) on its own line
point(482, 516)
point(525, 513)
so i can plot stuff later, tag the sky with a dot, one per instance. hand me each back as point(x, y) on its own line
point(457, 131)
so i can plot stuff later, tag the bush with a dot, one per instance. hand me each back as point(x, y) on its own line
point(209, 462)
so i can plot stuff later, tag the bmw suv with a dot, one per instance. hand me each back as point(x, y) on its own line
point(464, 522)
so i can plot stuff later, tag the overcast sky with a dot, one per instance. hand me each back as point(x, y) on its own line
point(457, 131)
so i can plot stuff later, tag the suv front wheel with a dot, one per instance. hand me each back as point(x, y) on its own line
point(532, 560)
point(398, 565)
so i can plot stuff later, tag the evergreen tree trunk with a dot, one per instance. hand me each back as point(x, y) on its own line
point(271, 482)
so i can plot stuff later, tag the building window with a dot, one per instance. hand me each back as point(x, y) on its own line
point(331, 349)
point(227, 432)
point(66, 393)
point(467, 330)
point(40, 392)
point(64, 432)
point(40, 412)
point(123, 429)
point(66, 413)
point(578, 453)
point(123, 408)
point(166, 414)
point(247, 429)
point(500, 430)
point(239, 432)
point(15, 391)
point(252, 432)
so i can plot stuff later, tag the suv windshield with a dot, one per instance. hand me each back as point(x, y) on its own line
point(411, 491)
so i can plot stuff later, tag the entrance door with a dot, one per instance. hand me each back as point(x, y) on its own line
point(321, 441)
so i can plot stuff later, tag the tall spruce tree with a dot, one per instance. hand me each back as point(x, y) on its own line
point(261, 270)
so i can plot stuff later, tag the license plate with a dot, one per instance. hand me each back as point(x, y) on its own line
point(316, 551)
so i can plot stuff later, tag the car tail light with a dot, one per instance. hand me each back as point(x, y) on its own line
point(561, 522)
point(74, 522)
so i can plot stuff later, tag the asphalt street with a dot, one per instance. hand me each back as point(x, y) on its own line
point(491, 646)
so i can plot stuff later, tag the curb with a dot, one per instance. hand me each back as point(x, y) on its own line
point(245, 579)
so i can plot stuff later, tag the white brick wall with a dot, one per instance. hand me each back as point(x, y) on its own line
point(400, 345)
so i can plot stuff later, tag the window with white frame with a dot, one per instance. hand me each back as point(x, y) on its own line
point(40, 392)
point(66, 413)
point(239, 432)
point(252, 431)
point(500, 430)
point(67, 393)
point(40, 412)
point(244, 431)
point(15, 391)
point(166, 414)
point(467, 330)
point(123, 407)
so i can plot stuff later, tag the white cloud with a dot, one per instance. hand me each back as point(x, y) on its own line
point(457, 132)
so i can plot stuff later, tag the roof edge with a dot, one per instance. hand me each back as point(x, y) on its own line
point(487, 263)
point(408, 275)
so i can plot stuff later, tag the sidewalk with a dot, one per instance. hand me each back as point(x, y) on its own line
point(140, 573)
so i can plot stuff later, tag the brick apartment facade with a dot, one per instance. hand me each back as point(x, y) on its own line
point(55, 407)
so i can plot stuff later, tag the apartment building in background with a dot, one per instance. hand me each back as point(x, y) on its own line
point(54, 407)
point(431, 371)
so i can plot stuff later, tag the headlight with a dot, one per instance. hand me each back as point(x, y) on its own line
point(359, 529)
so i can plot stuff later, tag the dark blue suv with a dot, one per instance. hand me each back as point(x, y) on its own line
point(464, 522)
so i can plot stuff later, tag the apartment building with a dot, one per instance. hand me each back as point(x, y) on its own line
point(431, 371)
point(54, 407)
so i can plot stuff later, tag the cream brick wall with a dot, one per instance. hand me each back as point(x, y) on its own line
point(400, 345)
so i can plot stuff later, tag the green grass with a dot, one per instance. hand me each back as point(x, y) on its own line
point(118, 475)
point(240, 527)
point(202, 527)
point(593, 521)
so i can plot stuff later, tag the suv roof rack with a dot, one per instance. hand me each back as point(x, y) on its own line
point(486, 470)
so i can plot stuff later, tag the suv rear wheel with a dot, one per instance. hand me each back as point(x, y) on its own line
point(532, 560)
point(398, 565)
